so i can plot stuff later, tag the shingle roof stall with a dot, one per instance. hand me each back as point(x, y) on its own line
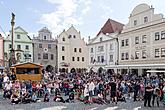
point(111, 26)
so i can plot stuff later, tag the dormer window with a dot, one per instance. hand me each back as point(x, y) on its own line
point(135, 22)
point(101, 39)
point(44, 37)
point(145, 19)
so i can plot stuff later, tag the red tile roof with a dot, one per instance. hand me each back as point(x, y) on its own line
point(111, 26)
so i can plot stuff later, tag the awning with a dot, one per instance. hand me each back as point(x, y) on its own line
point(136, 66)
point(155, 71)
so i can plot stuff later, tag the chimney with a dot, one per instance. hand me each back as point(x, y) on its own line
point(88, 38)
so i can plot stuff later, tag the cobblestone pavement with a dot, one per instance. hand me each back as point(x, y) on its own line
point(130, 105)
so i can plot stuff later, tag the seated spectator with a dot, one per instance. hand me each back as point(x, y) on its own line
point(120, 96)
point(58, 98)
point(71, 97)
point(26, 98)
point(34, 97)
point(7, 90)
point(15, 98)
point(46, 97)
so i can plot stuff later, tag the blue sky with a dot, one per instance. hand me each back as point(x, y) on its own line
point(88, 16)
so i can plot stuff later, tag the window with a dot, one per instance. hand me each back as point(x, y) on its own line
point(92, 60)
point(70, 36)
point(51, 56)
point(75, 50)
point(136, 40)
point(144, 39)
point(157, 35)
point(27, 47)
point(44, 37)
point(101, 39)
point(63, 48)
point(122, 43)
point(111, 58)
point(137, 55)
point(63, 58)
point(18, 36)
point(10, 46)
point(74, 36)
point(102, 59)
point(45, 56)
point(72, 58)
point(126, 56)
point(100, 48)
point(122, 56)
point(163, 35)
point(91, 50)
point(144, 54)
point(80, 50)
point(39, 56)
point(78, 58)
point(98, 58)
point(126, 42)
point(49, 46)
point(19, 47)
point(111, 46)
point(157, 53)
point(63, 39)
point(145, 19)
point(82, 58)
point(40, 45)
point(162, 52)
point(135, 22)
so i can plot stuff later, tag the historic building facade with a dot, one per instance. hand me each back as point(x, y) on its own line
point(45, 49)
point(72, 51)
point(103, 49)
point(142, 40)
point(22, 46)
point(1, 52)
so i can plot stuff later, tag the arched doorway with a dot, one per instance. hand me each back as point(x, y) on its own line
point(49, 68)
point(73, 70)
point(100, 70)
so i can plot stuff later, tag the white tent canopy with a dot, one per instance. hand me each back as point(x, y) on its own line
point(137, 66)
point(155, 71)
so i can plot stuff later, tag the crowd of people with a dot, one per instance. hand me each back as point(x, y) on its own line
point(88, 88)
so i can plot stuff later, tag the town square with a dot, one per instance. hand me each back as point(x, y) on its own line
point(82, 55)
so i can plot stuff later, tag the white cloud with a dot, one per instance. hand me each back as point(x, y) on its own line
point(65, 14)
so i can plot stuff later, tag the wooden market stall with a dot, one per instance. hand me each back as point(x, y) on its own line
point(28, 71)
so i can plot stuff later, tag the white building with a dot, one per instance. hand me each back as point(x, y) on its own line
point(103, 49)
point(142, 40)
point(72, 51)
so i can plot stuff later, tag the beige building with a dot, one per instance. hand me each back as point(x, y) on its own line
point(142, 41)
point(72, 51)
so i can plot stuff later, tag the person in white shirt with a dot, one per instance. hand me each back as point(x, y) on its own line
point(86, 93)
point(5, 78)
point(7, 90)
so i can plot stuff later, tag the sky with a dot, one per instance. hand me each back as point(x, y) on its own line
point(87, 16)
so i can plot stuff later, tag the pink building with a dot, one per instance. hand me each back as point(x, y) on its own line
point(1, 51)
